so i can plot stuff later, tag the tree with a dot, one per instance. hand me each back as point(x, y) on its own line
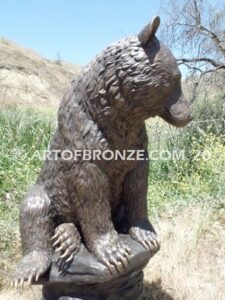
point(195, 30)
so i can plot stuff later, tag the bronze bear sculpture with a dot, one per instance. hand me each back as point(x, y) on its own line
point(91, 201)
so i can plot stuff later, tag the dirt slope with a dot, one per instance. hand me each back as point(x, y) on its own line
point(28, 79)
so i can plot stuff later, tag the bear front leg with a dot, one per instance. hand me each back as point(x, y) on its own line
point(94, 215)
point(135, 201)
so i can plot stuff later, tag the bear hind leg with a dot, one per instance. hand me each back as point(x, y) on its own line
point(36, 228)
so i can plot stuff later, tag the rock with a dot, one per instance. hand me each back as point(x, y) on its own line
point(88, 279)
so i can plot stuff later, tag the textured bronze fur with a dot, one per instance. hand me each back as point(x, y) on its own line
point(91, 201)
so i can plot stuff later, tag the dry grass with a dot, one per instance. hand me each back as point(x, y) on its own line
point(191, 262)
point(28, 79)
point(32, 293)
point(189, 266)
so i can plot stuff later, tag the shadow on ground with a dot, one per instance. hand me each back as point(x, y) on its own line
point(155, 291)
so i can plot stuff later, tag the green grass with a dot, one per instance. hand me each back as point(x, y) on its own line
point(200, 176)
point(21, 133)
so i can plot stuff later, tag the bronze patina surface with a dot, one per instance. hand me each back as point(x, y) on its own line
point(79, 203)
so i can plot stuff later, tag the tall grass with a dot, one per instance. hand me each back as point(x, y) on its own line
point(21, 133)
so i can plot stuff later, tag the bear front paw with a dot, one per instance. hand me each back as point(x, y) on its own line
point(112, 252)
point(144, 233)
point(67, 241)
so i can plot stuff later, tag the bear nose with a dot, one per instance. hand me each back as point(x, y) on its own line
point(177, 111)
point(180, 112)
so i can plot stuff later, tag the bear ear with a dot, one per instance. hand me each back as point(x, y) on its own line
point(149, 31)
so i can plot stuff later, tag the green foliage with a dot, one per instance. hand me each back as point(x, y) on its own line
point(21, 134)
point(199, 173)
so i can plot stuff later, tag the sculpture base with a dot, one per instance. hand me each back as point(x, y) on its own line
point(129, 287)
point(88, 279)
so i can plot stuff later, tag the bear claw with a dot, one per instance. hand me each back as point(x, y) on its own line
point(147, 238)
point(67, 241)
point(113, 253)
point(25, 270)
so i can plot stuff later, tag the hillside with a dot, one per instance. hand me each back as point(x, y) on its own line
point(28, 79)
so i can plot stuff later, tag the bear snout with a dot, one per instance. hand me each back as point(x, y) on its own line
point(177, 112)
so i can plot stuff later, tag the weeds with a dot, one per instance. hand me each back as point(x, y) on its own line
point(21, 133)
point(198, 175)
